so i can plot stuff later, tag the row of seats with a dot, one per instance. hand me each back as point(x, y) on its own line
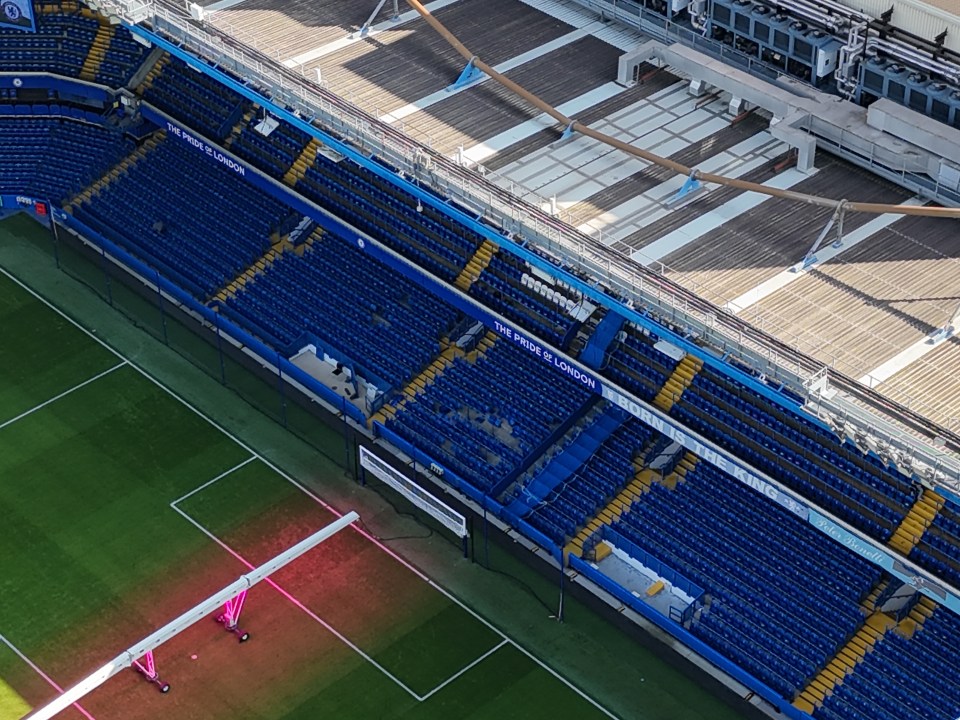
point(123, 57)
point(195, 99)
point(782, 601)
point(368, 312)
point(54, 157)
point(594, 484)
point(273, 153)
point(334, 185)
point(203, 230)
point(633, 362)
point(483, 418)
point(501, 286)
point(60, 44)
point(904, 679)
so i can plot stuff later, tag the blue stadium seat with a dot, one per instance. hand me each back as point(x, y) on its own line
point(368, 312)
point(202, 231)
point(54, 157)
point(481, 419)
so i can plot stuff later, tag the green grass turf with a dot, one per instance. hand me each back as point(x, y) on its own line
point(88, 534)
point(33, 370)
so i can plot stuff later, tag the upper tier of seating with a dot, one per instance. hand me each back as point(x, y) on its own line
point(54, 157)
point(195, 99)
point(634, 363)
point(939, 547)
point(505, 286)
point(386, 326)
point(201, 231)
point(593, 485)
point(782, 601)
point(904, 679)
point(123, 57)
point(875, 502)
point(273, 153)
point(390, 215)
point(60, 45)
point(482, 419)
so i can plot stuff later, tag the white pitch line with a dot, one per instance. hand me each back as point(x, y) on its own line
point(42, 405)
point(50, 681)
point(289, 596)
point(467, 668)
point(207, 484)
point(416, 571)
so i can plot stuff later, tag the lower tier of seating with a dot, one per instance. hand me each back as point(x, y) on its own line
point(54, 157)
point(781, 601)
point(374, 317)
point(182, 213)
point(904, 678)
point(482, 418)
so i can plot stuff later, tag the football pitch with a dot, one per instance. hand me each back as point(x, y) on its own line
point(122, 507)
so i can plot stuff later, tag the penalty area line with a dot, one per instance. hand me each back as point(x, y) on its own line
point(208, 483)
point(49, 680)
point(312, 615)
point(76, 387)
point(467, 668)
point(316, 498)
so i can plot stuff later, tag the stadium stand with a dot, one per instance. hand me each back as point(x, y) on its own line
point(782, 603)
point(372, 317)
point(491, 412)
point(869, 497)
point(773, 609)
point(116, 58)
point(203, 232)
point(55, 151)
